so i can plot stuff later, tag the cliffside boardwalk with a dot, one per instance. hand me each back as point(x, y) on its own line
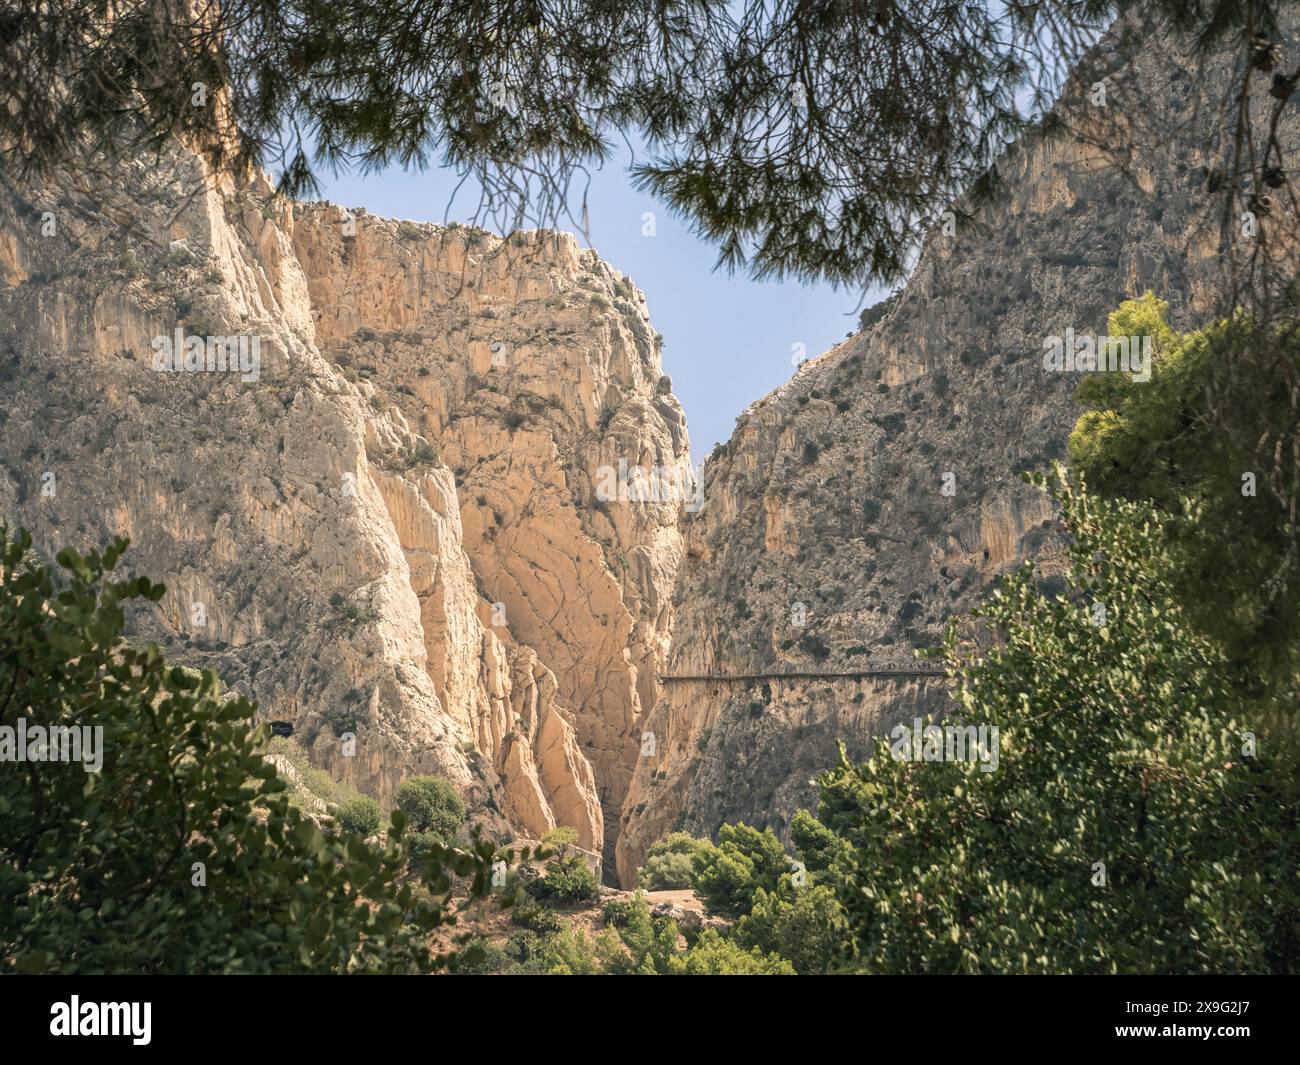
point(800, 675)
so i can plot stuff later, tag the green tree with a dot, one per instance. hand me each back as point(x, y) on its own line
point(1229, 488)
point(805, 925)
point(432, 806)
point(181, 854)
point(669, 865)
point(808, 143)
point(1130, 825)
point(361, 815)
point(570, 952)
point(715, 955)
point(643, 945)
point(727, 875)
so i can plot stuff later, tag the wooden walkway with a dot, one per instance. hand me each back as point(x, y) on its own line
point(855, 675)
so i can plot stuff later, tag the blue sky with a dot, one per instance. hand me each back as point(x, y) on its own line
point(727, 339)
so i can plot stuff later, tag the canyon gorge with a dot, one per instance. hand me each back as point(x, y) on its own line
point(394, 534)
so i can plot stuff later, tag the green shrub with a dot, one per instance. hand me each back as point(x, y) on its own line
point(570, 952)
point(871, 315)
point(360, 815)
point(805, 925)
point(528, 913)
point(642, 944)
point(668, 866)
point(727, 875)
point(617, 912)
point(527, 953)
point(815, 646)
point(560, 839)
point(567, 879)
point(432, 806)
point(638, 944)
point(714, 955)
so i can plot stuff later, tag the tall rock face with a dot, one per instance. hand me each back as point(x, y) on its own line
point(534, 367)
point(878, 493)
point(383, 523)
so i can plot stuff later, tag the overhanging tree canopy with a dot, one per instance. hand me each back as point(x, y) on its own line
point(806, 138)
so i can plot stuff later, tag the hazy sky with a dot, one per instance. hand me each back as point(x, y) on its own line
point(727, 340)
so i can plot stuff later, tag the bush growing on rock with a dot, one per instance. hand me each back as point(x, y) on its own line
point(361, 815)
point(567, 879)
point(668, 867)
point(432, 806)
point(560, 839)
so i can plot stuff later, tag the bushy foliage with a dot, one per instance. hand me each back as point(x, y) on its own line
point(431, 805)
point(640, 945)
point(616, 912)
point(182, 853)
point(1130, 825)
point(869, 316)
point(521, 954)
point(570, 952)
point(486, 957)
point(560, 839)
point(361, 815)
point(1213, 441)
point(567, 879)
point(803, 924)
point(645, 945)
point(529, 914)
point(669, 865)
point(715, 955)
point(727, 875)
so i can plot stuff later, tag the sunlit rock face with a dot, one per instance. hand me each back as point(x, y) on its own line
point(383, 523)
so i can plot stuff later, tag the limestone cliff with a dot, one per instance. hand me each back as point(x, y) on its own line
point(382, 523)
